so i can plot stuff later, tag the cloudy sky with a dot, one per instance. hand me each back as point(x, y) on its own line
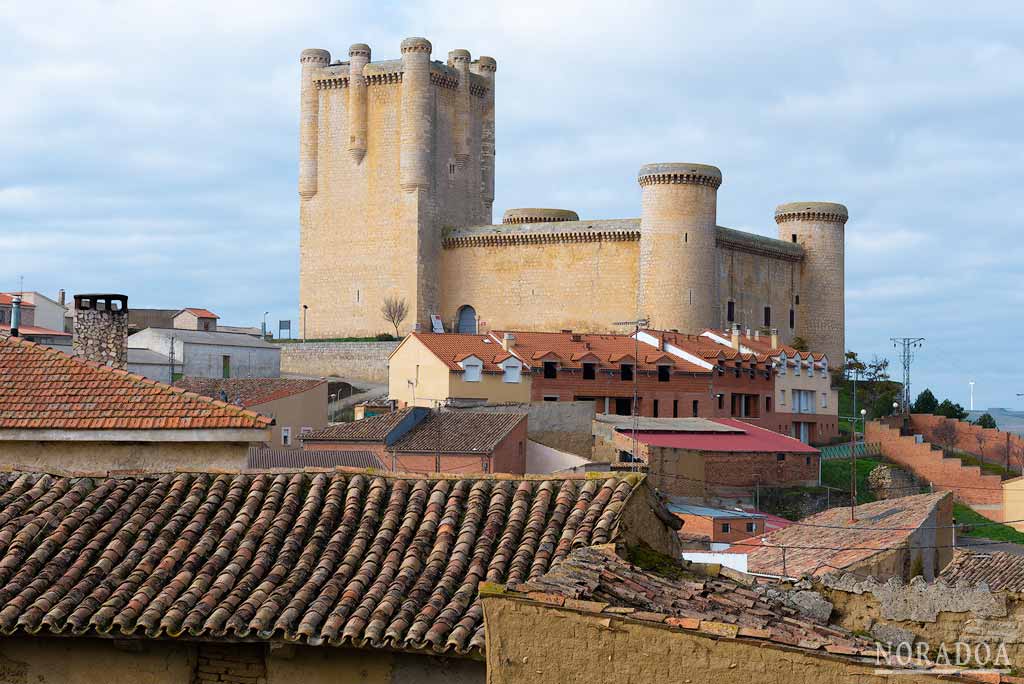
point(150, 148)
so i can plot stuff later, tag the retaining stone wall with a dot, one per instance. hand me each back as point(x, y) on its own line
point(353, 361)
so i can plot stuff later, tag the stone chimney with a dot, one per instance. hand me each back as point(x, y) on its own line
point(775, 338)
point(508, 342)
point(735, 342)
point(101, 329)
point(61, 297)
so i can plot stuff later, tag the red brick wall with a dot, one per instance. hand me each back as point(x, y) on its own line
point(728, 384)
point(509, 455)
point(681, 387)
point(698, 524)
point(991, 448)
point(825, 426)
point(749, 469)
point(945, 474)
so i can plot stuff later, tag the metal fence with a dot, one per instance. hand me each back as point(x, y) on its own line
point(860, 449)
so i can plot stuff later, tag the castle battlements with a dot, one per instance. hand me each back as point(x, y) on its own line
point(396, 181)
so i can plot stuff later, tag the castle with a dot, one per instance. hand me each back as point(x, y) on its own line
point(396, 187)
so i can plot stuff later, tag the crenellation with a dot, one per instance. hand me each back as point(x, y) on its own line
point(397, 176)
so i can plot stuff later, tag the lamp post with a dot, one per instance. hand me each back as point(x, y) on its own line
point(265, 324)
point(895, 407)
point(305, 310)
point(853, 464)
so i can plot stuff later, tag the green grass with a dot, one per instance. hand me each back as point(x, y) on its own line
point(645, 557)
point(836, 474)
point(986, 468)
point(965, 515)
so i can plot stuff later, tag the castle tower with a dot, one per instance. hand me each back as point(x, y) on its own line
point(678, 282)
point(819, 227)
point(392, 153)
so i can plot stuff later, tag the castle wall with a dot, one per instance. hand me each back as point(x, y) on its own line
point(754, 281)
point(585, 286)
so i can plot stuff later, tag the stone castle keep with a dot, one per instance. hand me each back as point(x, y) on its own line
point(396, 187)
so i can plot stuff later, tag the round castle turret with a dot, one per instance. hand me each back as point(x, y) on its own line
point(534, 215)
point(678, 282)
point(358, 58)
point(819, 227)
point(416, 100)
point(309, 116)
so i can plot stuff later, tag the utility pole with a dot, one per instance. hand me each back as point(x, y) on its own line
point(906, 346)
point(171, 358)
point(637, 324)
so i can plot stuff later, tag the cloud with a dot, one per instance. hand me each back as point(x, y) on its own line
point(151, 147)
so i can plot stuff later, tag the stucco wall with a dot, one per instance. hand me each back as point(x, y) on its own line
point(103, 456)
point(305, 409)
point(353, 361)
point(206, 361)
point(529, 643)
point(94, 661)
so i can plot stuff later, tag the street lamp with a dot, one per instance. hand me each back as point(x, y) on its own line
point(895, 407)
point(305, 309)
point(265, 324)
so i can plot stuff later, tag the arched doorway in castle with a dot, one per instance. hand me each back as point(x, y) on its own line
point(465, 321)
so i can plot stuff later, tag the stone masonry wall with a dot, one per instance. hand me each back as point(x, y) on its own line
point(563, 425)
point(982, 492)
point(101, 336)
point(231, 664)
point(353, 361)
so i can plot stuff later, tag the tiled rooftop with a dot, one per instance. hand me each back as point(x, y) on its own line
point(452, 432)
point(596, 580)
point(340, 559)
point(807, 543)
point(451, 348)
point(201, 313)
point(249, 391)
point(263, 458)
point(999, 570)
point(571, 350)
point(41, 388)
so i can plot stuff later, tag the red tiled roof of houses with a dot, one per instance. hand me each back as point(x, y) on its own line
point(6, 299)
point(200, 313)
point(751, 439)
point(455, 347)
point(35, 330)
point(596, 580)
point(572, 349)
point(41, 388)
point(763, 345)
point(830, 541)
point(704, 347)
point(999, 570)
point(340, 559)
point(250, 391)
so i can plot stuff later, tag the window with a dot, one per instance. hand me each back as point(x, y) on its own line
point(792, 319)
point(206, 325)
point(797, 300)
point(655, 408)
point(513, 371)
point(303, 431)
point(730, 311)
point(589, 371)
point(751, 527)
point(807, 460)
point(225, 366)
point(696, 408)
point(794, 237)
point(626, 371)
point(726, 528)
point(782, 364)
point(767, 315)
point(768, 404)
point(824, 400)
point(472, 370)
point(664, 373)
point(550, 397)
point(286, 436)
point(780, 457)
point(721, 401)
point(782, 397)
point(550, 370)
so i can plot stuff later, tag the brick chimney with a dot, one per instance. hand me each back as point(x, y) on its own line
point(101, 329)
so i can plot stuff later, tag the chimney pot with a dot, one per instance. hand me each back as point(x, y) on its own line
point(15, 315)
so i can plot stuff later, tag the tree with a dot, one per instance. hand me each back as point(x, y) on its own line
point(926, 402)
point(986, 421)
point(951, 410)
point(800, 344)
point(853, 364)
point(394, 311)
point(945, 434)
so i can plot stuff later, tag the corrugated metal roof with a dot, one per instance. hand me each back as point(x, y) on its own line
point(707, 512)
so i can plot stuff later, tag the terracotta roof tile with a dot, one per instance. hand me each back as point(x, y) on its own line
point(41, 388)
point(346, 559)
point(999, 570)
point(451, 348)
point(372, 429)
point(460, 432)
point(201, 313)
point(250, 391)
point(570, 348)
point(596, 580)
point(263, 458)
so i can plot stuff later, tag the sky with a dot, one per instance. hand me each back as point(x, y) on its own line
point(151, 148)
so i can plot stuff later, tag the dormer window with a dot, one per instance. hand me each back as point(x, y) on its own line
point(796, 366)
point(664, 373)
point(589, 371)
point(513, 371)
point(824, 368)
point(550, 370)
point(626, 371)
point(472, 370)
point(782, 364)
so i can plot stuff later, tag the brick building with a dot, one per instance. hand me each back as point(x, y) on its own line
point(418, 440)
point(718, 525)
point(569, 366)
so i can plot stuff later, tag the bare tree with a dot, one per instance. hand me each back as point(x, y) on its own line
point(945, 434)
point(979, 436)
point(394, 311)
